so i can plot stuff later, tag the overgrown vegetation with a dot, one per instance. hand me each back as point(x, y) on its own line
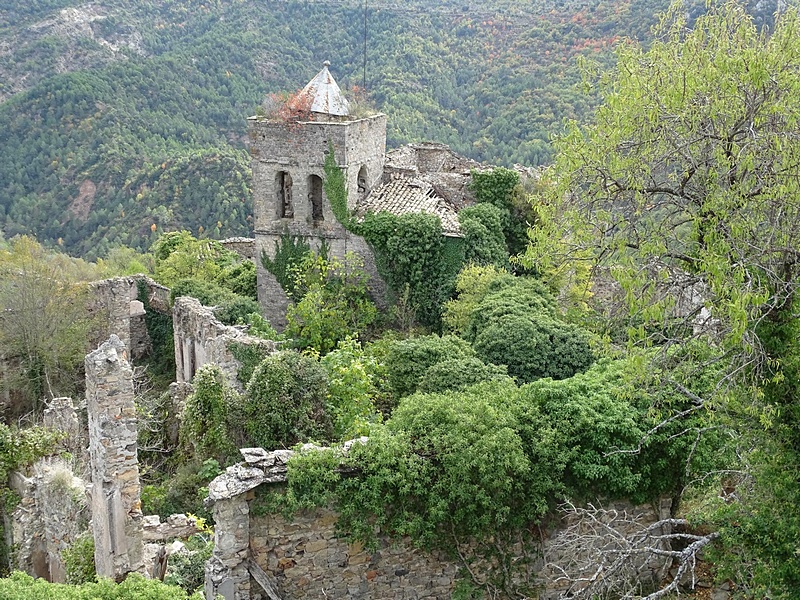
point(20, 586)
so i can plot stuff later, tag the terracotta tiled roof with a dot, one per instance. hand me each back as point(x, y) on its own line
point(405, 195)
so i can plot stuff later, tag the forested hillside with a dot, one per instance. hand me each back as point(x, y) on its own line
point(121, 118)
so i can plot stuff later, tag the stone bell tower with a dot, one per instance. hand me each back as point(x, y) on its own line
point(288, 155)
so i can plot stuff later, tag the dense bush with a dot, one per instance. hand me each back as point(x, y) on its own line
point(494, 458)
point(285, 402)
point(517, 324)
point(290, 252)
point(534, 346)
point(459, 373)
point(229, 308)
point(501, 188)
point(79, 560)
point(241, 279)
point(205, 428)
point(408, 360)
point(183, 492)
point(186, 568)
point(507, 296)
point(473, 283)
point(135, 587)
point(354, 378)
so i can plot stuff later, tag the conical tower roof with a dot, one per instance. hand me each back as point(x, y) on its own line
point(322, 95)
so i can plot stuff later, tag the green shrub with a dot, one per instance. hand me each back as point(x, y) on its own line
point(353, 379)
point(335, 303)
point(183, 492)
point(240, 278)
point(534, 346)
point(473, 283)
point(486, 463)
point(408, 360)
point(206, 422)
point(250, 355)
point(521, 296)
point(22, 447)
point(21, 586)
point(235, 310)
point(178, 256)
point(79, 560)
point(186, 569)
point(285, 402)
point(500, 188)
point(459, 373)
point(230, 308)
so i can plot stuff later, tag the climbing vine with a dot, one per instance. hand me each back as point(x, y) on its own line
point(411, 253)
point(290, 251)
point(335, 187)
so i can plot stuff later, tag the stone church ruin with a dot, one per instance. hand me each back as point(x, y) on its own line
point(258, 556)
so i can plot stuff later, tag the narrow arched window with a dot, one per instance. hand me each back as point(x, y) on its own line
point(362, 181)
point(283, 189)
point(315, 197)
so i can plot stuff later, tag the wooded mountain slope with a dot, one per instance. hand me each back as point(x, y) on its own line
point(120, 118)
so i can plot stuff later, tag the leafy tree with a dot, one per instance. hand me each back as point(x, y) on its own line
point(333, 303)
point(45, 326)
point(685, 188)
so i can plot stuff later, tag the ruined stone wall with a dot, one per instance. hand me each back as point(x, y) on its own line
point(201, 339)
point(51, 514)
point(115, 505)
point(306, 560)
point(116, 300)
point(244, 247)
point(268, 556)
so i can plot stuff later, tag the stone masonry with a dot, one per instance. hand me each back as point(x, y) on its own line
point(115, 491)
point(50, 516)
point(259, 557)
point(288, 159)
point(200, 339)
point(116, 300)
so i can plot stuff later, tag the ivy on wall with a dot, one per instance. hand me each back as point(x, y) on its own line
point(412, 255)
point(290, 251)
point(335, 187)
